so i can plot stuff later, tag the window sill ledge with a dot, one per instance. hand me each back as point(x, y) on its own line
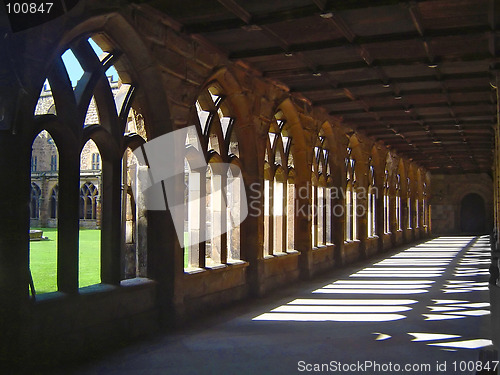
point(94, 290)
point(281, 255)
point(352, 242)
point(323, 246)
point(232, 264)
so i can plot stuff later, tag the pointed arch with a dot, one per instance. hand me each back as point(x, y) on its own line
point(237, 104)
point(279, 194)
point(139, 87)
point(322, 183)
point(292, 127)
point(220, 124)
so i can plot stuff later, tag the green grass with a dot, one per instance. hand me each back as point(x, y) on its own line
point(186, 245)
point(43, 260)
point(90, 257)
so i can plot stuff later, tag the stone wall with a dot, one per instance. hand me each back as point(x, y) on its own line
point(446, 199)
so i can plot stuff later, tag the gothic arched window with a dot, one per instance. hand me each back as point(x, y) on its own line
point(409, 204)
point(212, 195)
point(35, 196)
point(88, 201)
point(372, 200)
point(53, 202)
point(321, 193)
point(279, 189)
point(398, 202)
point(351, 198)
point(387, 204)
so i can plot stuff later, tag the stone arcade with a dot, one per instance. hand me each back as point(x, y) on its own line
point(356, 129)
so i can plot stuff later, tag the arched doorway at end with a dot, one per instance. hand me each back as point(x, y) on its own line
point(472, 214)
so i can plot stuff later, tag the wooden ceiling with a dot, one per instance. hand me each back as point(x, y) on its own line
point(418, 75)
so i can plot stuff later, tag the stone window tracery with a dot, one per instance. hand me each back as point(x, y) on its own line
point(424, 206)
point(80, 105)
point(398, 203)
point(53, 202)
point(409, 204)
point(372, 201)
point(211, 228)
point(35, 196)
point(321, 197)
point(279, 189)
point(387, 203)
point(351, 198)
point(89, 196)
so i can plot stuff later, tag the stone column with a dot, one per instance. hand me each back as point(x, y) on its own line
point(68, 220)
point(44, 202)
point(379, 207)
point(362, 204)
point(338, 212)
point(252, 228)
point(16, 123)
point(303, 219)
point(393, 225)
point(14, 244)
point(252, 232)
point(111, 221)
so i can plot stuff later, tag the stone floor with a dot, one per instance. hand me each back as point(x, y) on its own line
point(425, 306)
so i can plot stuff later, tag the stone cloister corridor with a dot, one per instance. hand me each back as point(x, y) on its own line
point(249, 186)
point(425, 304)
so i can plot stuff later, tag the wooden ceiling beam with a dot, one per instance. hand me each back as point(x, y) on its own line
point(342, 26)
point(246, 17)
point(321, 4)
point(409, 79)
point(397, 107)
point(493, 19)
point(285, 15)
point(365, 41)
point(416, 17)
point(360, 65)
point(237, 10)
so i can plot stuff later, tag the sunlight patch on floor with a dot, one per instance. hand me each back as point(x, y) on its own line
point(413, 271)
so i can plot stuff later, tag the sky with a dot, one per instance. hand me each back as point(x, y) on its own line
point(74, 69)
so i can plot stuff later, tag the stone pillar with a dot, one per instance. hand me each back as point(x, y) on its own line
point(379, 207)
point(165, 255)
point(14, 245)
point(141, 240)
point(98, 209)
point(252, 232)
point(338, 212)
point(111, 221)
point(68, 220)
point(362, 204)
point(393, 225)
point(303, 218)
point(44, 202)
point(16, 122)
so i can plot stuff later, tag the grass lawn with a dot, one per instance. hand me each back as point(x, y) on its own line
point(186, 245)
point(43, 260)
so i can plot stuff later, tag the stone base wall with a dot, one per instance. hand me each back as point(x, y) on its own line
point(323, 259)
point(351, 252)
point(63, 328)
point(371, 246)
